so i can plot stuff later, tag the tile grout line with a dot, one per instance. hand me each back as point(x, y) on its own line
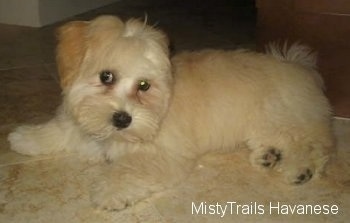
point(341, 118)
point(33, 160)
point(23, 67)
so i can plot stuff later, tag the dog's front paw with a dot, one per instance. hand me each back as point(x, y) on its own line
point(22, 142)
point(107, 198)
point(116, 196)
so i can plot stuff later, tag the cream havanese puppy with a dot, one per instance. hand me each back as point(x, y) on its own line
point(126, 101)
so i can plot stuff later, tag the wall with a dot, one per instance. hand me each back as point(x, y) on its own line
point(37, 13)
point(321, 24)
point(20, 12)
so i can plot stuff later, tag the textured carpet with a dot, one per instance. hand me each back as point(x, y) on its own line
point(55, 189)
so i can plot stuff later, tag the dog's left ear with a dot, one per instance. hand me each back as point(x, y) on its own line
point(70, 50)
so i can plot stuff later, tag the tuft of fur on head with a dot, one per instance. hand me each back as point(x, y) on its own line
point(76, 37)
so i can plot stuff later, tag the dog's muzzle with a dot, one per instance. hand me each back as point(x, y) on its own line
point(121, 120)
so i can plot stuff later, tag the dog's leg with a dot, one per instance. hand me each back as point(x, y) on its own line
point(298, 161)
point(305, 161)
point(295, 170)
point(39, 139)
point(57, 135)
point(135, 177)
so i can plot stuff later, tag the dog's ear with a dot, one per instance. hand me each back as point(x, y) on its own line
point(70, 50)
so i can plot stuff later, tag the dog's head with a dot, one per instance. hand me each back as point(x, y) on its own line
point(115, 77)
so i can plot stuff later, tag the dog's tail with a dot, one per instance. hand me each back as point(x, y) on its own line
point(295, 53)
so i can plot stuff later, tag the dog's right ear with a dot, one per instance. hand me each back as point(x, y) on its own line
point(70, 51)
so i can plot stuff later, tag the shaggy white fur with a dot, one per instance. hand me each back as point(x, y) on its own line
point(126, 102)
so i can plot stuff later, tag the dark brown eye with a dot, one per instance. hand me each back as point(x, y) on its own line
point(107, 77)
point(144, 85)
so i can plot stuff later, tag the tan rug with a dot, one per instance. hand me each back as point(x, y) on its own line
point(56, 190)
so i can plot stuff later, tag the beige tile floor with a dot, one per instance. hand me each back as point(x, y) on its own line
point(55, 189)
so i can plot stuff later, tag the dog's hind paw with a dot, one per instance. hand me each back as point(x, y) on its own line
point(271, 158)
point(267, 158)
point(299, 176)
point(304, 176)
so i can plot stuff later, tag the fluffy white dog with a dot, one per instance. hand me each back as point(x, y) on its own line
point(125, 101)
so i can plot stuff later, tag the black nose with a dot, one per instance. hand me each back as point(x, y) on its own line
point(121, 120)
